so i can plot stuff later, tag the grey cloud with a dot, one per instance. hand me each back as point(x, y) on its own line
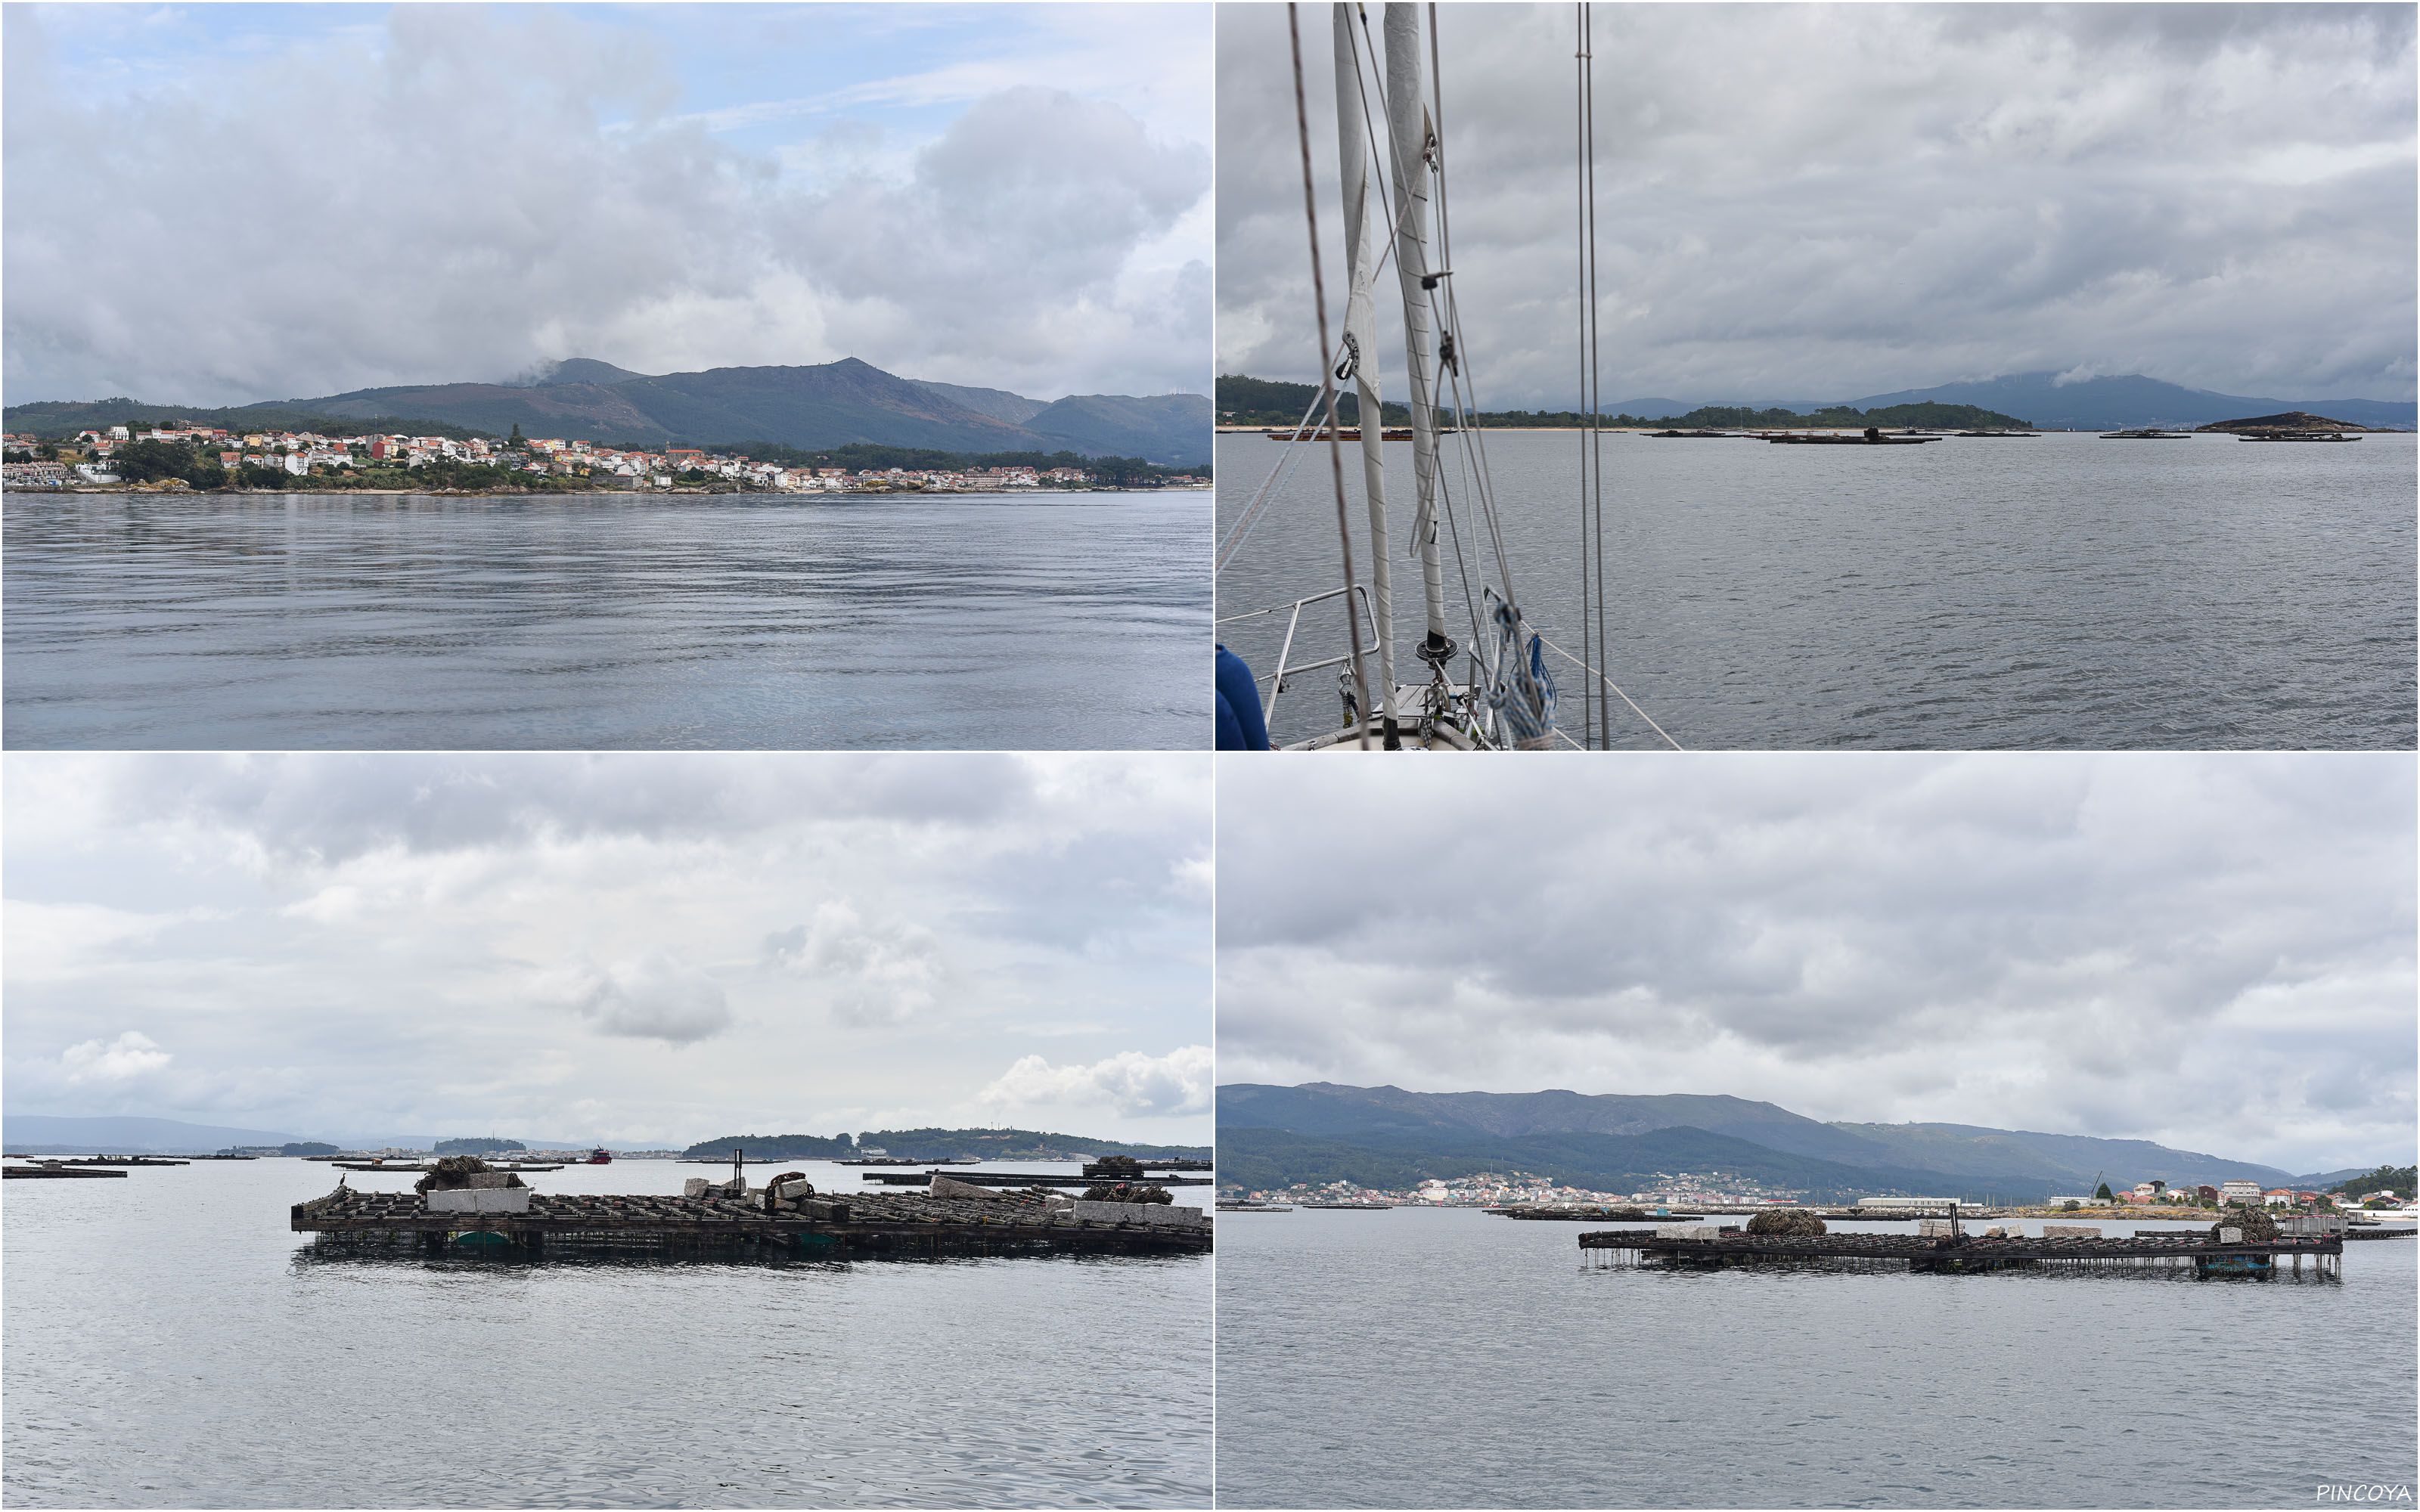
point(475, 194)
point(1828, 201)
point(653, 996)
point(1010, 238)
point(1857, 933)
point(867, 973)
point(513, 940)
point(329, 808)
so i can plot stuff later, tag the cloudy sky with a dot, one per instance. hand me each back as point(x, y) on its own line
point(2213, 952)
point(1827, 202)
point(223, 203)
point(640, 949)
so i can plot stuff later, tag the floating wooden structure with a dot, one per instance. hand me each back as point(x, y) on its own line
point(2205, 1254)
point(103, 1160)
point(1872, 438)
point(1102, 1169)
point(858, 1225)
point(17, 1172)
point(1020, 1178)
point(421, 1167)
point(1584, 1213)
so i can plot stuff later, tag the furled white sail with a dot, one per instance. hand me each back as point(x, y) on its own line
point(1361, 344)
point(1407, 122)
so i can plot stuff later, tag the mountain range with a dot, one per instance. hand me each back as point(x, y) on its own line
point(1265, 1132)
point(43, 1133)
point(831, 404)
point(2081, 404)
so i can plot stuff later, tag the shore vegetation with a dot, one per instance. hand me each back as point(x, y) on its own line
point(1250, 401)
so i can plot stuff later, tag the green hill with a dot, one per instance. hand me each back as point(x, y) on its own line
point(1881, 1157)
point(822, 405)
point(1273, 1159)
point(56, 420)
point(1241, 400)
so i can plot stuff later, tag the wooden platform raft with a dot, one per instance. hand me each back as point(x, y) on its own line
point(2206, 1255)
point(858, 1225)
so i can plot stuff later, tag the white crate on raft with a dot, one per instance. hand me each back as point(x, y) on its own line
point(480, 1200)
point(1137, 1212)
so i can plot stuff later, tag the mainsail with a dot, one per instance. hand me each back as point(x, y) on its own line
point(1414, 153)
point(1360, 359)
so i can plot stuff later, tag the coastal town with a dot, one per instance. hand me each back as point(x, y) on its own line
point(1495, 1190)
point(98, 459)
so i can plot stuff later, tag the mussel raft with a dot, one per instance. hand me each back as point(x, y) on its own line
point(860, 1224)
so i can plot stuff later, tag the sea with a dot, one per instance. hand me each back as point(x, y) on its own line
point(1445, 1358)
point(2047, 591)
point(1073, 621)
point(169, 1343)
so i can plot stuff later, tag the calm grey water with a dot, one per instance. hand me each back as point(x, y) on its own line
point(168, 1343)
point(314, 622)
point(1448, 1359)
point(2058, 590)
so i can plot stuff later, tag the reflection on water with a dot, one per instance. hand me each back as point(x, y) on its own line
point(726, 620)
point(2055, 592)
point(1446, 1358)
point(186, 1349)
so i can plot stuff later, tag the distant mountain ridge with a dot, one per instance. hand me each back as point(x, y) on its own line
point(2014, 1162)
point(932, 1145)
point(829, 404)
point(1257, 1158)
point(147, 1136)
point(2082, 403)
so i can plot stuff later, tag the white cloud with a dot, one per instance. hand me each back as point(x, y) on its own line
point(654, 996)
point(884, 972)
point(129, 1056)
point(2212, 951)
point(51, 939)
point(1132, 1083)
point(455, 943)
point(467, 194)
point(1821, 202)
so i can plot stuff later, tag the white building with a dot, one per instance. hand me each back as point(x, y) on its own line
point(2239, 1191)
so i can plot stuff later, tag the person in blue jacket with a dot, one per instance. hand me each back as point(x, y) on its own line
point(1240, 723)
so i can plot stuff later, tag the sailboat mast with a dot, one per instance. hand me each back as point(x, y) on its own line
point(1361, 346)
point(1407, 125)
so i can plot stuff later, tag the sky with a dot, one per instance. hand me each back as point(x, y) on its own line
point(1823, 203)
point(2213, 952)
point(640, 949)
point(223, 203)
